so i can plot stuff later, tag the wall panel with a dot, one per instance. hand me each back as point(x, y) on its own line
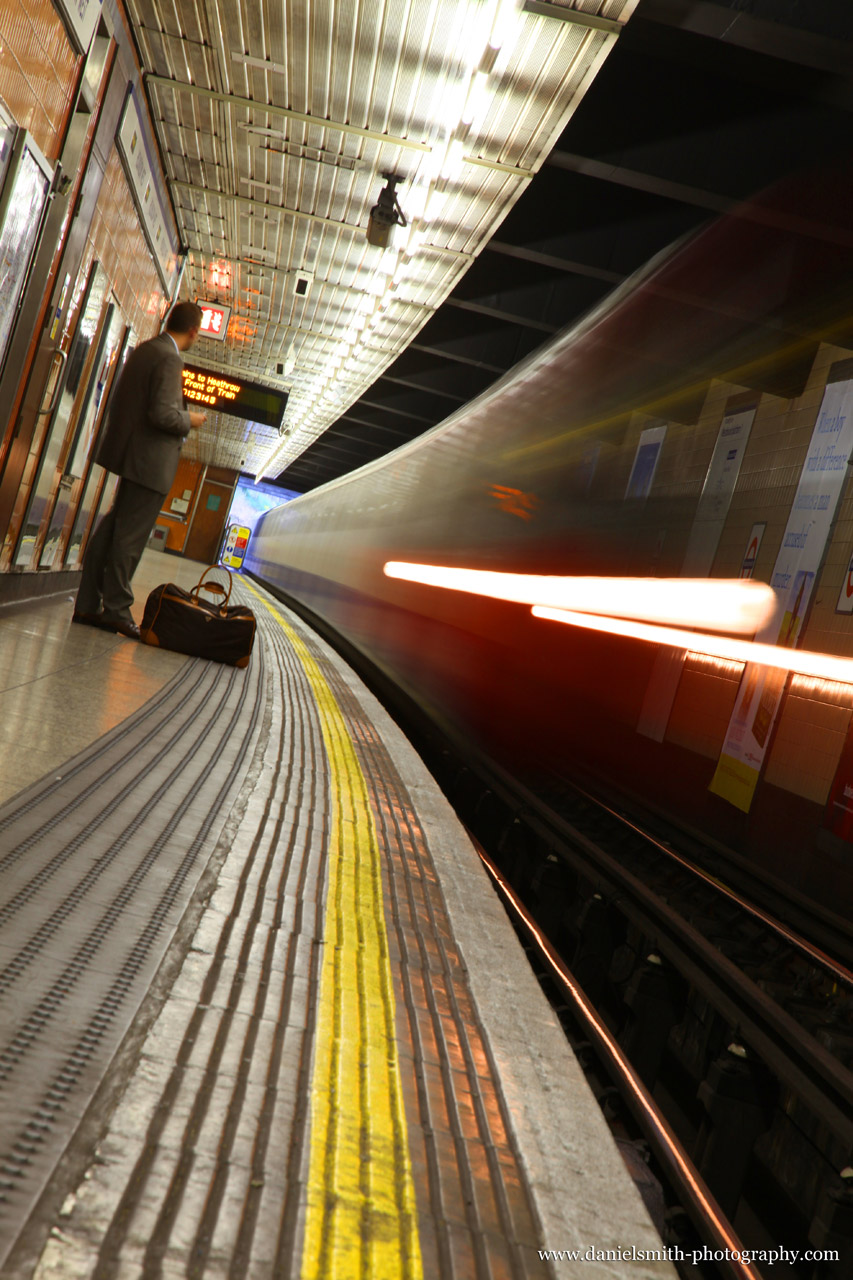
point(38, 70)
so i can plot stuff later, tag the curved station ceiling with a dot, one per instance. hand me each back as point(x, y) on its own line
point(542, 150)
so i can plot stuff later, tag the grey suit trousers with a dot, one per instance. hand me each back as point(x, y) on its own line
point(115, 549)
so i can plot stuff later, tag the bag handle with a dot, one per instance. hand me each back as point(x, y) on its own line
point(214, 587)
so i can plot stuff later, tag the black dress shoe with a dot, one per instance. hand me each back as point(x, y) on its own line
point(91, 620)
point(124, 626)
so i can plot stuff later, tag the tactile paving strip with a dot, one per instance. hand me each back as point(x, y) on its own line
point(225, 1132)
point(476, 1217)
point(97, 866)
point(203, 1171)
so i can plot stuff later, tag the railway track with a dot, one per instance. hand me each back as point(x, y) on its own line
point(725, 1030)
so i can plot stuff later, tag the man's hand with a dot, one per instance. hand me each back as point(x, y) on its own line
point(197, 419)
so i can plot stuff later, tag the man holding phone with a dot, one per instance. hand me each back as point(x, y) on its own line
point(142, 444)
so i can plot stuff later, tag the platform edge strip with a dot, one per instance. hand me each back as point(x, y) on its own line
point(361, 1212)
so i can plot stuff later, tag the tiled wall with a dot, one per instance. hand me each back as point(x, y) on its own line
point(815, 717)
point(809, 738)
point(117, 240)
point(38, 70)
point(703, 704)
point(827, 630)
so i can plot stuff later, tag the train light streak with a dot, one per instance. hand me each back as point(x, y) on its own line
point(710, 604)
point(822, 666)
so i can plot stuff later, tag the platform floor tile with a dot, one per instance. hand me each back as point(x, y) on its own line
point(259, 1014)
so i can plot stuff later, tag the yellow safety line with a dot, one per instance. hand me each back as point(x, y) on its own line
point(361, 1220)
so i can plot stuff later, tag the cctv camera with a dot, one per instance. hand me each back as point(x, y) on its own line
point(386, 214)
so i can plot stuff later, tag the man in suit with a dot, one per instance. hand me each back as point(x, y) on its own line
point(142, 443)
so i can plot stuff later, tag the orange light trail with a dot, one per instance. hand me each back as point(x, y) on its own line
point(713, 604)
point(822, 666)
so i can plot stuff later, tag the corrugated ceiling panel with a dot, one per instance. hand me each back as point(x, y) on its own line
point(398, 67)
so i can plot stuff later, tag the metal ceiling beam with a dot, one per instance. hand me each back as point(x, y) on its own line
point(589, 20)
point(419, 386)
point(750, 212)
point(234, 198)
point(456, 358)
point(323, 122)
point(328, 447)
point(497, 314)
point(773, 39)
point(647, 182)
point(374, 426)
point(552, 260)
point(344, 429)
point(337, 223)
point(302, 117)
point(386, 408)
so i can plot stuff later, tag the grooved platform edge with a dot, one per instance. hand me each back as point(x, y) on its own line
point(577, 1178)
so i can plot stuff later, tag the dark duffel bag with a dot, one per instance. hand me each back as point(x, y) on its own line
point(180, 620)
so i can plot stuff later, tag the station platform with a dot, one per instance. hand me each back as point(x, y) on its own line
point(261, 1011)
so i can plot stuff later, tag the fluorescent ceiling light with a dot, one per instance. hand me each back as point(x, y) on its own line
point(506, 24)
point(477, 99)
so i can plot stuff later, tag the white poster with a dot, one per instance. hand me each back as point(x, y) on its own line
point(81, 18)
point(803, 545)
point(708, 523)
point(645, 462)
point(716, 496)
point(142, 173)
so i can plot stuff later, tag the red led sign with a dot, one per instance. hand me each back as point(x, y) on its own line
point(214, 320)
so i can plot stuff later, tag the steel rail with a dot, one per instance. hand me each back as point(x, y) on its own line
point(683, 1173)
point(839, 971)
point(793, 1054)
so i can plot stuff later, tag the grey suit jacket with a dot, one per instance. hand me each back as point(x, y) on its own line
point(147, 420)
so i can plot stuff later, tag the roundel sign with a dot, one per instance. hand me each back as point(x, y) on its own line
point(236, 542)
point(747, 567)
point(845, 599)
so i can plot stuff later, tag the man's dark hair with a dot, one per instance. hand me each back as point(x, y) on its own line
point(183, 317)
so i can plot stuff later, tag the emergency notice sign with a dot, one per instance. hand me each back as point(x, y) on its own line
point(236, 541)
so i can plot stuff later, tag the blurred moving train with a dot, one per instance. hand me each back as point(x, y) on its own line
point(674, 432)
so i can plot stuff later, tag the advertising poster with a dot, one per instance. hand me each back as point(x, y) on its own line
point(709, 521)
point(141, 171)
point(716, 496)
point(803, 545)
point(81, 18)
point(645, 462)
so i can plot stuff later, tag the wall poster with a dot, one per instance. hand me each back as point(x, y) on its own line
point(143, 173)
point(645, 462)
point(716, 496)
point(803, 545)
point(708, 524)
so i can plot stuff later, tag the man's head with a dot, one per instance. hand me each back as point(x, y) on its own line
point(183, 323)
